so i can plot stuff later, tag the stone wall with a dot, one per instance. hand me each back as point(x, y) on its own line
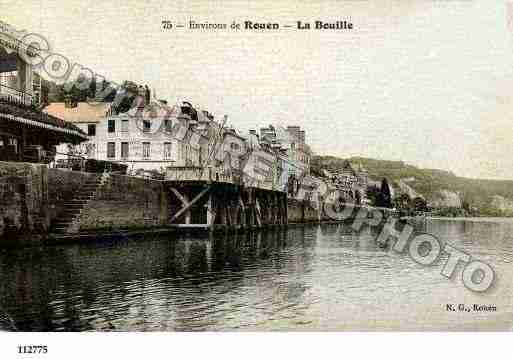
point(301, 211)
point(62, 186)
point(23, 201)
point(126, 202)
point(31, 196)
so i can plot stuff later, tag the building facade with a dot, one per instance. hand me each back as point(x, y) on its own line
point(138, 140)
point(351, 182)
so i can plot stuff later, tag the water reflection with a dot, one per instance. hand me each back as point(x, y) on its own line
point(308, 277)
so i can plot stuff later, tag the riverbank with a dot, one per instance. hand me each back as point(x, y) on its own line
point(474, 219)
point(45, 205)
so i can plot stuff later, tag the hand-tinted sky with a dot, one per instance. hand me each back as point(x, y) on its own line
point(427, 82)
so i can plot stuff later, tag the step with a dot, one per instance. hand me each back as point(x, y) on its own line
point(82, 200)
point(73, 205)
point(84, 191)
point(93, 182)
point(58, 225)
point(91, 186)
point(64, 219)
point(71, 212)
point(68, 216)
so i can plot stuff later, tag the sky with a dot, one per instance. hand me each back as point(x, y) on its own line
point(425, 82)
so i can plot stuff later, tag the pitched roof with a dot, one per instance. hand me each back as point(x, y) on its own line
point(83, 112)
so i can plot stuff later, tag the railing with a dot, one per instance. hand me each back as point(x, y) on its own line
point(15, 96)
point(83, 164)
point(196, 173)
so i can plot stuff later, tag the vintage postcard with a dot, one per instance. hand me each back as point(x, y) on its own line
point(255, 166)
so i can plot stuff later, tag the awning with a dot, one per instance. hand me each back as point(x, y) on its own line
point(43, 125)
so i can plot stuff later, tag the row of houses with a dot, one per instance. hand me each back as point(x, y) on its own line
point(151, 144)
point(148, 142)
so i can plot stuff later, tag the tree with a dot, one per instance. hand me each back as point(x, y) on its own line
point(373, 195)
point(402, 202)
point(419, 204)
point(384, 197)
point(358, 198)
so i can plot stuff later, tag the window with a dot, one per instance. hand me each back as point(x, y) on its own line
point(167, 150)
point(146, 126)
point(124, 150)
point(112, 126)
point(168, 125)
point(146, 150)
point(91, 130)
point(124, 125)
point(111, 149)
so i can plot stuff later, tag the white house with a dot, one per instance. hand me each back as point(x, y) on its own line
point(143, 142)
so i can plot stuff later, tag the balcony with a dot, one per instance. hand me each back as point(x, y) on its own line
point(15, 96)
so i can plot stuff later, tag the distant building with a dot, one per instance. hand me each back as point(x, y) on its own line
point(298, 150)
point(291, 142)
point(351, 182)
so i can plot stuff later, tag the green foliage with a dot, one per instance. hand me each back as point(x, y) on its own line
point(71, 90)
point(475, 193)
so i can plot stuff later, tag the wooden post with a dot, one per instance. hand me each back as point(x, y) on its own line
point(243, 209)
point(222, 212)
point(270, 204)
point(250, 209)
point(276, 214)
point(186, 204)
point(23, 144)
point(258, 213)
point(211, 216)
point(188, 211)
point(284, 208)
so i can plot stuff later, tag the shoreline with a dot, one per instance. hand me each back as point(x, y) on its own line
point(472, 219)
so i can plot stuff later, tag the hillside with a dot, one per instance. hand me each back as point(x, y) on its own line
point(430, 182)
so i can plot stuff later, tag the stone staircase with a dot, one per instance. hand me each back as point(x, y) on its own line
point(69, 219)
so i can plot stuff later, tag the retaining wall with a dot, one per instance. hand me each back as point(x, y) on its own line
point(126, 202)
point(23, 201)
point(31, 196)
point(62, 186)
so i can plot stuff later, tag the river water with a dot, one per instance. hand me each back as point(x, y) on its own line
point(307, 278)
